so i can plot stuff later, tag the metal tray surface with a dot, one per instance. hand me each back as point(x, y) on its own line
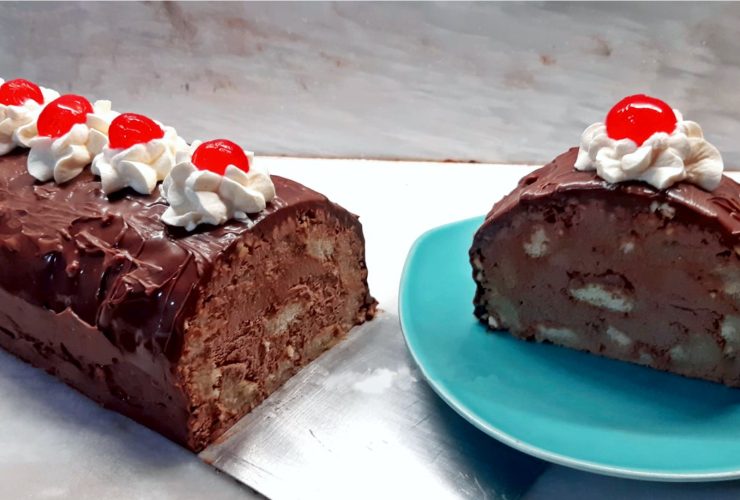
point(360, 422)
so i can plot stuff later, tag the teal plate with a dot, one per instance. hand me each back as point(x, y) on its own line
point(560, 405)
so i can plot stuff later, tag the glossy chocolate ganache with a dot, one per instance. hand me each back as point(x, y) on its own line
point(720, 207)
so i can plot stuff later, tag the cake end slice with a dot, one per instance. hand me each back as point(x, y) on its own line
point(623, 270)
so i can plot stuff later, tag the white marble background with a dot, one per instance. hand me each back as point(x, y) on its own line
point(498, 82)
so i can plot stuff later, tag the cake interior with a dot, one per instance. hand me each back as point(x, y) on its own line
point(622, 278)
point(273, 304)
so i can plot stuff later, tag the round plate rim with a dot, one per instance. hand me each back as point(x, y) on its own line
point(504, 437)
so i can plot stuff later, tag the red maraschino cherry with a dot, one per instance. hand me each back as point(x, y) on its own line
point(639, 116)
point(61, 114)
point(218, 154)
point(16, 92)
point(129, 129)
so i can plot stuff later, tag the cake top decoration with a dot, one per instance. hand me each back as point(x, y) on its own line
point(129, 129)
point(204, 183)
point(218, 154)
point(140, 153)
point(62, 114)
point(21, 102)
point(214, 182)
point(644, 139)
point(16, 92)
point(71, 133)
point(637, 117)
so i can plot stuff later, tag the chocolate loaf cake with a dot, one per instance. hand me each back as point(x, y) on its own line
point(182, 331)
point(630, 268)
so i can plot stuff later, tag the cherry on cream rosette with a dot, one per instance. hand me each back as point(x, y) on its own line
point(71, 133)
point(21, 102)
point(140, 153)
point(643, 139)
point(214, 182)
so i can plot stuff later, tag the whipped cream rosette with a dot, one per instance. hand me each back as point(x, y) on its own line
point(71, 133)
point(643, 139)
point(214, 182)
point(21, 102)
point(139, 154)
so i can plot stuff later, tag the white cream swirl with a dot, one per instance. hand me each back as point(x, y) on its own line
point(63, 158)
point(203, 197)
point(140, 166)
point(18, 122)
point(661, 161)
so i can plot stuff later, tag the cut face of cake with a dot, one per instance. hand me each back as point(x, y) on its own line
point(642, 267)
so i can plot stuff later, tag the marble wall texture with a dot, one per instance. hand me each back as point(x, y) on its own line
point(494, 82)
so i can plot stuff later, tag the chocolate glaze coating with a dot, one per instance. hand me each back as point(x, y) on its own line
point(720, 207)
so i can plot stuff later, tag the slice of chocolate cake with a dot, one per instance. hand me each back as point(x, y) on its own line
point(182, 331)
point(626, 248)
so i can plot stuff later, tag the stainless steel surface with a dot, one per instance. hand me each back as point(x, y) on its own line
point(361, 423)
